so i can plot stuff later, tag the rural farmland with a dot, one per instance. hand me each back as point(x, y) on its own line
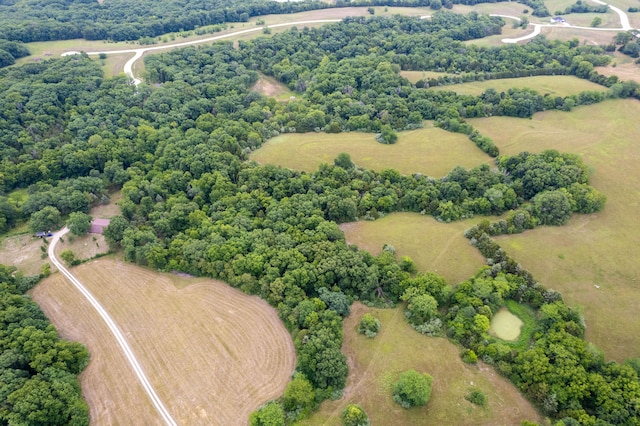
point(301, 231)
point(213, 353)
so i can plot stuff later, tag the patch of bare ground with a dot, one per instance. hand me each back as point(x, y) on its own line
point(212, 353)
point(272, 88)
point(23, 252)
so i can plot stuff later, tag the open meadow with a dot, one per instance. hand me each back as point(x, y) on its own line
point(592, 260)
point(434, 246)
point(213, 353)
point(430, 150)
point(375, 364)
point(559, 85)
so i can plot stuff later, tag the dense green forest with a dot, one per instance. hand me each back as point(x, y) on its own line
point(38, 370)
point(192, 203)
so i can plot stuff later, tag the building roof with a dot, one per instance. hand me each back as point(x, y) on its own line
point(98, 225)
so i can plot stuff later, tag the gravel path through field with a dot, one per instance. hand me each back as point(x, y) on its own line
point(128, 352)
point(537, 28)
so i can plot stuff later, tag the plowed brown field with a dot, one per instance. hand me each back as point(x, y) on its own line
point(212, 353)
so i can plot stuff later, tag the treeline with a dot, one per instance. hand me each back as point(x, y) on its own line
point(581, 7)
point(38, 370)
point(10, 51)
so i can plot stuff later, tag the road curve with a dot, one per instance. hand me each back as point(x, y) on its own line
point(624, 19)
point(124, 345)
point(128, 67)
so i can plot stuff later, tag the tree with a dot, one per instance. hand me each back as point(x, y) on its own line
point(354, 415)
point(46, 219)
point(387, 136)
point(552, 207)
point(115, 231)
point(68, 256)
point(270, 414)
point(421, 309)
point(596, 21)
point(344, 160)
point(369, 325)
point(413, 389)
point(299, 395)
point(79, 223)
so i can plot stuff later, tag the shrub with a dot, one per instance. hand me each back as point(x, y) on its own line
point(68, 256)
point(469, 356)
point(413, 389)
point(369, 325)
point(476, 397)
point(354, 415)
point(270, 414)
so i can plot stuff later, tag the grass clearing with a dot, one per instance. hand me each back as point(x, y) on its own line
point(429, 150)
point(272, 88)
point(592, 260)
point(375, 365)
point(212, 353)
point(625, 67)
point(434, 246)
point(505, 325)
point(558, 85)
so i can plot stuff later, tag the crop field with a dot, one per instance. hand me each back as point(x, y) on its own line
point(212, 353)
point(434, 246)
point(560, 85)
point(375, 364)
point(430, 150)
point(593, 259)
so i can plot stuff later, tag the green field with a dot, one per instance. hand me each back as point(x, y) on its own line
point(375, 365)
point(431, 151)
point(593, 260)
point(434, 246)
point(415, 76)
point(560, 85)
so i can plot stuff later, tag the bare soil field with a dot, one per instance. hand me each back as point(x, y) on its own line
point(593, 260)
point(375, 364)
point(429, 150)
point(212, 353)
point(433, 246)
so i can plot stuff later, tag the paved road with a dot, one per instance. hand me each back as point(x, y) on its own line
point(128, 67)
point(128, 352)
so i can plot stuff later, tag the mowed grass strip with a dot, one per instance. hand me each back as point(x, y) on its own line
point(559, 85)
point(434, 246)
point(375, 365)
point(213, 353)
point(593, 260)
point(430, 150)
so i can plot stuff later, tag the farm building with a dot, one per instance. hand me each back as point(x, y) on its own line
point(98, 225)
point(558, 20)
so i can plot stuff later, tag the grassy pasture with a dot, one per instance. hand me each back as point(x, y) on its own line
point(415, 76)
point(429, 150)
point(625, 67)
point(434, 246)
point(375, 365)
point(559, 85)
point(593, 260)
point(213, 353)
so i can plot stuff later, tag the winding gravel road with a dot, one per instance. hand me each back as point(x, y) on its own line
point(128, 67)
point(124, 345)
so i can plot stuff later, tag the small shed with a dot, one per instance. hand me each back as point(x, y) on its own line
point(558, 20)
point(98, 225)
